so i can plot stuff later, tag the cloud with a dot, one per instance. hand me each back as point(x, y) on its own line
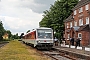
point(22, 15)
point(20, 25)
point(37, 6)
point(46, 2)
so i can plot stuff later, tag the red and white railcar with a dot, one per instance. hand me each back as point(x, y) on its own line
point(42, 38)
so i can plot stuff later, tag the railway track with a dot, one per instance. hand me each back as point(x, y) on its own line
point(2, 44)
point(52, 54)
point(55, 54)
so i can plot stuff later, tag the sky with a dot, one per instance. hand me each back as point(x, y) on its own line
point(19, 16)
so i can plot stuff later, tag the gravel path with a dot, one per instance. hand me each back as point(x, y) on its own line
point(3, 43)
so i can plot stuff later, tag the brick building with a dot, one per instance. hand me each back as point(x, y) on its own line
point(77, 25)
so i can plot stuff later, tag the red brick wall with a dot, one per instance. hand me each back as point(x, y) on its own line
point(85, 38)
point(85, 35)
point(83, 15)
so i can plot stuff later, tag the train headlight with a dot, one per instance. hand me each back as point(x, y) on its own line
point(38, 41)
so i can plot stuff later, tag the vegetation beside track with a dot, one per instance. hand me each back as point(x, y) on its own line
point(15, 50)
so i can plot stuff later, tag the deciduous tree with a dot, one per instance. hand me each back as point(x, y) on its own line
point(2, 30)
point(55, 16)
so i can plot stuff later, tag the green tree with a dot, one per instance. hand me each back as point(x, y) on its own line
point(28, 31)
point(2, 30)
point(55, 16)
point(15, 36)
point(21, 36)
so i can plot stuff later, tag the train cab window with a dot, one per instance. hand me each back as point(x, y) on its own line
point(44, 34)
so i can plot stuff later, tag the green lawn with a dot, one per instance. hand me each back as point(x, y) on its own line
point(18, 51)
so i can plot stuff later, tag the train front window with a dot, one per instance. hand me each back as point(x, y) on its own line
point(42, 33)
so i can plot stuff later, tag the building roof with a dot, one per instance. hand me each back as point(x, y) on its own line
point(84, 28)
point(70, 18)
point(81, 3)
point(81, 28)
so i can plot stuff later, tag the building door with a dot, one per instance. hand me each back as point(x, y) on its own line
point(73, 34)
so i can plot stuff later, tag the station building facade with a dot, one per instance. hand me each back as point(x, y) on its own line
point(77, 25)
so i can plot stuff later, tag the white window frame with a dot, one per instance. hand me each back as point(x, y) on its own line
point(68, 36)
point(87, 20)
point(80, 22)
point(80, 10)
point(67, 25)
point(87, 7)
point(70, 24)
point(75, 23)
point(73, 16)
point(79, 35)
point(75, 12)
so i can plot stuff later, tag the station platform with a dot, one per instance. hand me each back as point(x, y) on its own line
point(72, 51)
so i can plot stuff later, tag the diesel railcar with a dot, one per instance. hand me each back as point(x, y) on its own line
point(41, 38)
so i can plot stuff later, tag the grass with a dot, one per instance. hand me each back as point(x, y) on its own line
point(4, 41)
point(15, 50)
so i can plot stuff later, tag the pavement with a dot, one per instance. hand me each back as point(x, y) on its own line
point(79, 52)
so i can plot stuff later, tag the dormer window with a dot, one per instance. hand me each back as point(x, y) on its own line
point(80, 10)
point(75, 12)
point(87, 7)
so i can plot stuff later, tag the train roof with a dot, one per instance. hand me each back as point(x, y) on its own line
point(36, 29)
point(43, 28)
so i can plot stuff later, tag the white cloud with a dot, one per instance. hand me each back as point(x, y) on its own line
point(21, 15)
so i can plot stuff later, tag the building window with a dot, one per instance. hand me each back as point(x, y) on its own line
point(80, 22)
point(75, 23)
point(73, 16)
point(75, 12)
point(67, 25)
point(87, 20)
point(79, 35)
point(70, 24)
point(80, 10)
point(68, 36)
point(87, 7)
